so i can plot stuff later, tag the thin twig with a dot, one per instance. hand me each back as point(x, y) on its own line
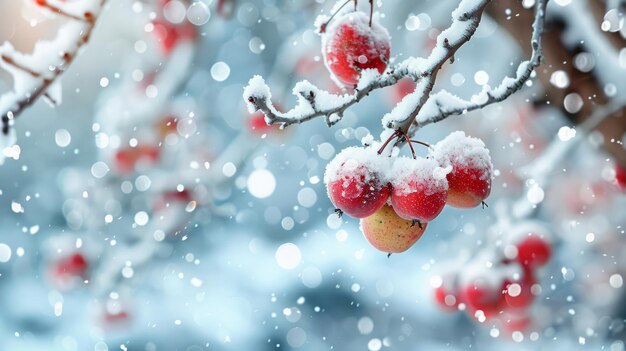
point(415, 68)
point(450, 47)
point(508, 85)
point(46, 81)
point(325, 24)
point(423, 71)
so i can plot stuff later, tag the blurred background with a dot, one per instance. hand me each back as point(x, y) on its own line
point(151, 211)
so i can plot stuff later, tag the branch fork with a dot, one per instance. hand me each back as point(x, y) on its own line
point(424, 107)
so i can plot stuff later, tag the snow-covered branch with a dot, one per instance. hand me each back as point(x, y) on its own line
point(441, 105)
point(314, 102)
point(420, 107)
point(36, 74)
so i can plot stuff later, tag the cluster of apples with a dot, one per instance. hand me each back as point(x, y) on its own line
point(500, 285)
point(353, 42)
point(395, 197)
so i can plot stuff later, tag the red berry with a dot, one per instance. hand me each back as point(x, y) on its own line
point(518, 293)
point(419, 188)
point(447, 298)
point(66, 271)
point(469, 182)
point(74, 265)
point(127, 159)
point(41, 2)
point(257, 124)
point(350, 45)
point(354, 182)
point(485, 296)
point(533, 251)
point(169, 34)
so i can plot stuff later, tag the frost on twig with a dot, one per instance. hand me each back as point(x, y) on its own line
point(332, 106)
point(420, 107)
point(37, 74)
point(441, 105)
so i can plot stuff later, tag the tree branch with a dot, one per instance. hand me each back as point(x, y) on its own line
point(507, 87)
point(41, 75)
point(314, 102)
point(419, 108)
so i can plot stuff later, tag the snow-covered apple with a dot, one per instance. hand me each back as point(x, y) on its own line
point(469, 181)
point(351, 44)
point(355, 182)
point(419, 188)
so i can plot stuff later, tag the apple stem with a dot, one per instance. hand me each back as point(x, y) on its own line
point(339, 212)
point(324, 25)
point(418, 222)
point(422, 143)
point(391, 137)
point(389, 255)
point(406, 137)
point(371, 11)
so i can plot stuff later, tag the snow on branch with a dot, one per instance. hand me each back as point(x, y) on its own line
point(441, 105)
point(420, 107)
point(314, 102)
point(37, 74)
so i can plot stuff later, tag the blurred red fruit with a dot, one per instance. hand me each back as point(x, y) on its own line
point(533, 251)
point(518, 294)
point(481, 296)
point(447, 299)
point(620, 176)
point(127, 159)
point(74, 265)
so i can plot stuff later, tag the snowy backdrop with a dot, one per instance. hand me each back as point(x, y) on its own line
point(146, 204)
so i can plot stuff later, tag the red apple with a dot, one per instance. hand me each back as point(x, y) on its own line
point(355, 183)
point(469, 181)
point(419, 188)
point(350, 45)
